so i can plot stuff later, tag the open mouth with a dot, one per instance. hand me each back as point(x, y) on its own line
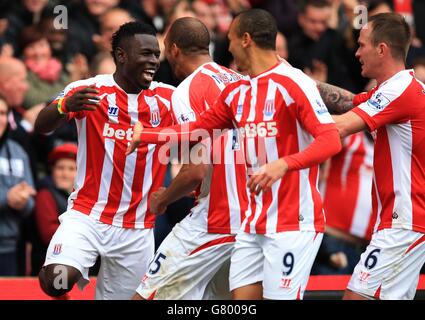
point(148, 74)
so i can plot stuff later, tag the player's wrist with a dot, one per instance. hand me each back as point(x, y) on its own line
point(285, 161)
point(61, 106)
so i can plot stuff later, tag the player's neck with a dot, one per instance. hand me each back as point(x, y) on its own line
point(195, 62)
point(125, 85)
point(389, 71)
point(261, 61)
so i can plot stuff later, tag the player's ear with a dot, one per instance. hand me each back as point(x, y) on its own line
point(246, 39)
point(383, 49)
point(120, 55)
point(175, 51)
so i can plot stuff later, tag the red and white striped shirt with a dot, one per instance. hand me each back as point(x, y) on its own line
point(222, 209)
point(110, 186)
point(347, 193)
point(287, 103)
point(395, 111)
point(280, 114)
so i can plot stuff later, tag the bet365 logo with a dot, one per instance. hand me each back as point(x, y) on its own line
point(261, 129)
point(115, 132)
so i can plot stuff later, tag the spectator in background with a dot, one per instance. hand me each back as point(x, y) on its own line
point(58, 39)
point(102, 63)
point(317, 44)
point(217, 16)
point(282, 46)
point(16, 192)
point(110, 21)
point(180, 10)
point(6, 49)
point(205, 13)
point(375, 7)
point(223, 15)
point(64, 49)
point(223, 18)
point(52, 200)
point(284, 11)
point(84, 24)
point(418, 7)
point(13, 87)
point(24, 13)
point(136, 8)
point(153, 12)
point(347, 202)
point(344, 18)
point(46, 76)
point(164, 9)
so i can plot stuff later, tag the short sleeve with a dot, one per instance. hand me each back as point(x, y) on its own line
point(384, 106)
point(311, 110)
point(67, 92)
point(361, 97)
point(182, 109)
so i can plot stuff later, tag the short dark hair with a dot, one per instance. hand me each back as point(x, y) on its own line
point(392, 29)
point(190, 35)
point(303, 4)
point(260, 25)
point(128, 30)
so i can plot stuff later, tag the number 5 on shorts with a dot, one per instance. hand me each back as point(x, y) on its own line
point(157, 261)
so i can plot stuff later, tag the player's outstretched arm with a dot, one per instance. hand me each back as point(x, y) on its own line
point(337, 100)
point(160, 135)
point(55, 114)
point(349, 123)
point(216, 118)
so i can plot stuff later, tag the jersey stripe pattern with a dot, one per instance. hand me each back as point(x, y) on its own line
point(110, 186)
point(278, 113)
point(347, 193)
point(395, 113)
point(221, 209)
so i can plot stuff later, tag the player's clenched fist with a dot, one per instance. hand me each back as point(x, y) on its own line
point(135, 141)
point(83, 99)
point(267, 175)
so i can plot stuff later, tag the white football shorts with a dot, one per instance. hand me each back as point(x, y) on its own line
point(125, 253)
point(390, 266)
point(190, 264)
point(281, 261)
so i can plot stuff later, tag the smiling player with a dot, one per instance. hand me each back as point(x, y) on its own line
point(108, 213)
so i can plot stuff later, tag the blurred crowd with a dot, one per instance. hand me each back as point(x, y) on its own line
point(44, 45)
